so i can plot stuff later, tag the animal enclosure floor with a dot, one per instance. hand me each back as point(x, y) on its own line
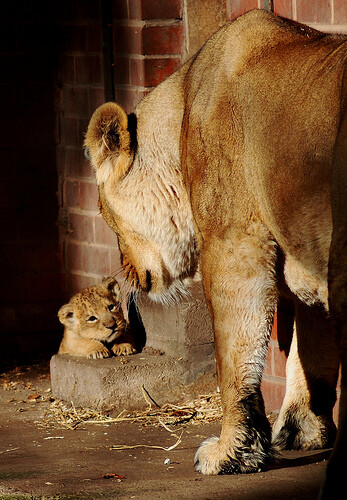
point(49, 461)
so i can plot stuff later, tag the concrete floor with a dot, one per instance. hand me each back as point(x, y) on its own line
point(55, 463)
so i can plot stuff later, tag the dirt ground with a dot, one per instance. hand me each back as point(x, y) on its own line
point(41, 459)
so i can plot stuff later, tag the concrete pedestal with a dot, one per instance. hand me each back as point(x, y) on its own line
point(177, 362)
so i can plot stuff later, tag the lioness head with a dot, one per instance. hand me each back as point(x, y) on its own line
point(142, 198)
point(95, 313)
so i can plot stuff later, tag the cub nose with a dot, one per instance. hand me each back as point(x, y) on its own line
point(112, 326)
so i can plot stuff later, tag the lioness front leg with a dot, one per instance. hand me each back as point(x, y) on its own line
point(241, 292)
point(305, 420)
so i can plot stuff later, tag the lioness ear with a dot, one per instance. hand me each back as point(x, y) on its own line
point(66, 314)
point(110, 140)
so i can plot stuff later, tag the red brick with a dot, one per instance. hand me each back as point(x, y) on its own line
point(268, 370)
point(82, 227)
point(88, 69)
point(156, 70)
point(42, 256)
point(315, 11)
point(74, 256)
point(70, 128)
point(96, 98)
point(103, 234)
point(129, 98)
point(273, 393)
point(89, 196)
point(279, 361)
point(120, 8)
point(88, 12)
point(72, 38)
point(76, 164)
point(96, 260)
point(115, 266)
point(128, 40)
point(121, 70)
point(66, 68)
point(284, 8)
point(82, 129)
point(159, 40)
point(76, 101)
point(78, 282)
point(274, 327)
point(155, 9)
point(137, 71)
point(237, 7)
point(340, 11)
point(94, 38)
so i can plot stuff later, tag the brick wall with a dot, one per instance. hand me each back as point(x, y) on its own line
point(326, 15)
point(148, 45)
point(89, 246)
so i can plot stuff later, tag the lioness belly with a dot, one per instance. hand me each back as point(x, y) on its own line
point(306, 242)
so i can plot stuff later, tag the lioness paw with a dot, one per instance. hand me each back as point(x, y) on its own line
point(301, 429)
point(124, 349)
point(207, 459)
point(212, 458)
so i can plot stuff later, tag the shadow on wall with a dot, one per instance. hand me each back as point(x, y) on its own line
point(32, 278)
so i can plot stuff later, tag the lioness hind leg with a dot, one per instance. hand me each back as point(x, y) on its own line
point(241, 293)
point(305, 420)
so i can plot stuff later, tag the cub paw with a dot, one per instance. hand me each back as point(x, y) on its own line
point(124, 349)
point(99, 353)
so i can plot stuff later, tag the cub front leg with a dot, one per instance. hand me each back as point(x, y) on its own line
point(76, 345)
point(241, 292)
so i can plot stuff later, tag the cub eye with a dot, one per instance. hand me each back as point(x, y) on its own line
point(92, 319)
point(112, 307)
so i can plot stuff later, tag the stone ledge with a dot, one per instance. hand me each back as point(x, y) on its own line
point(115, 383)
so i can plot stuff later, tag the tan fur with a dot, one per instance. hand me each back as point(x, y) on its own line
point(94, 323)
point(236, 158)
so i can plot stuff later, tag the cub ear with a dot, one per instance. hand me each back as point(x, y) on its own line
point(112, 285)
point(66, 315)
point(110, 140)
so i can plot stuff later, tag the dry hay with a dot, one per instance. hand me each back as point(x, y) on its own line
point(205, 408)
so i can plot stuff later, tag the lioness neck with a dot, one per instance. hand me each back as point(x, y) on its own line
point(160, 116)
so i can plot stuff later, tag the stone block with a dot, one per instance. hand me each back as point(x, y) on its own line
point(179, 330)
point(116, 384)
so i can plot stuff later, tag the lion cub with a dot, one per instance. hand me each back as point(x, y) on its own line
point(94, 323)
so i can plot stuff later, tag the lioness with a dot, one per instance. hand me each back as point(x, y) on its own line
point(94, 324)
point(239, 159)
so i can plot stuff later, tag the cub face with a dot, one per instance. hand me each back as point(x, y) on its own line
point(93, 321)
point(143, 200)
